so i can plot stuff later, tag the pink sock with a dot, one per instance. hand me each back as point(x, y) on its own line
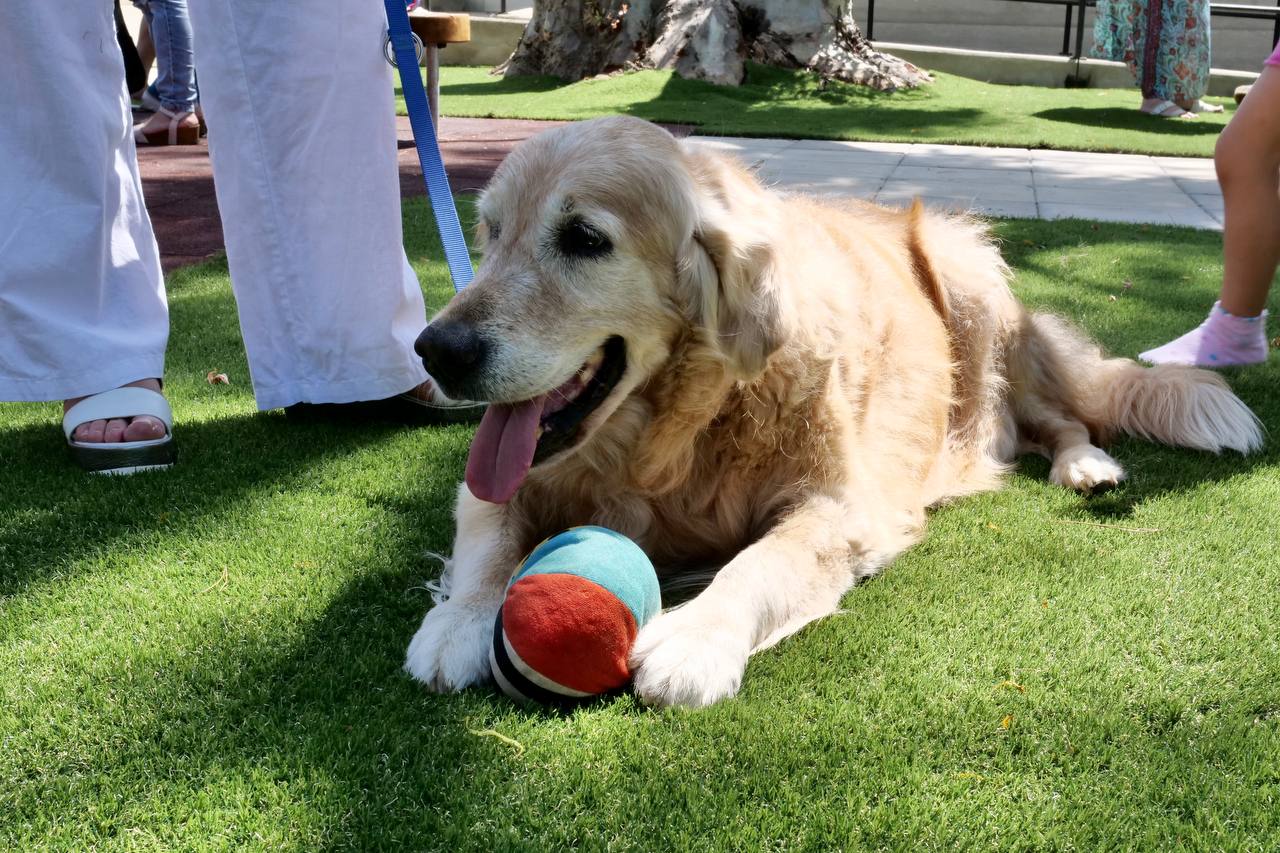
point(1223, 340)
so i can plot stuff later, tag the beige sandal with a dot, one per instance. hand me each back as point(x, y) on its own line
point(176, 133)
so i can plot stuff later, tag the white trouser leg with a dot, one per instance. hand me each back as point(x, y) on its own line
point(82, 304)
point(302, 133)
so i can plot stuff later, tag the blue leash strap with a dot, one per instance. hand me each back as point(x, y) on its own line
point(424, 137)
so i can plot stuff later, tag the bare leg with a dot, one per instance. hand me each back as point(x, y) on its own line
point(450, 651)
point(1248, 162)
point(146, 47)
point(695, 654)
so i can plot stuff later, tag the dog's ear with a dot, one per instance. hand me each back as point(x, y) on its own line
point(727, 274)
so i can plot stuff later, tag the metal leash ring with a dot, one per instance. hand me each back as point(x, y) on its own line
point(389, 51)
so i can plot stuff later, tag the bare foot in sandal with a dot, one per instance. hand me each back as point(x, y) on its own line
point(141, 428)
point(1165, 109)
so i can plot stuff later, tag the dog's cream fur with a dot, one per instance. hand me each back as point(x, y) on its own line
point(805, 378)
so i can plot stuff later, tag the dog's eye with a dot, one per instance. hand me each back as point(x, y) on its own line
point(495, 230)
point(577, 239)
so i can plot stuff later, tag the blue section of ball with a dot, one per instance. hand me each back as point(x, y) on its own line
point(605, 557)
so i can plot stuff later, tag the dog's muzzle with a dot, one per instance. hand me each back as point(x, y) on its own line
point(451, 352)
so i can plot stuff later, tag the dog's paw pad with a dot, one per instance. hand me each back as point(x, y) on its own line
point(677, 661)
point(451, 649)
point(1086, 469)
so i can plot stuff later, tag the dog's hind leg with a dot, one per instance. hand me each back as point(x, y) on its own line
point(696, 654)
point(1077, 462)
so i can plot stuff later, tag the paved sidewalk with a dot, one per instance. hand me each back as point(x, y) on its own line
point(995, 181)
point(998, 181)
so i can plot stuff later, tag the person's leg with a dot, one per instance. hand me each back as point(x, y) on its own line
point(170, 29)
point(1156, 36)
point(146, 47)
point(135, 75)
point(82, 300)
point(176, 78)
point(1185, 54)
point(1248, 162)
point(304, 158)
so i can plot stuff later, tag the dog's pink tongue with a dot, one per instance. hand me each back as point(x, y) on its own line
point(502, 450)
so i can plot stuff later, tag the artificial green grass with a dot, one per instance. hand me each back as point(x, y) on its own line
point(793, 104)
point(208, 658)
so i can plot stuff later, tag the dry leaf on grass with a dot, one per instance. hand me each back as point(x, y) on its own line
point(222, 582)
point(499, 736)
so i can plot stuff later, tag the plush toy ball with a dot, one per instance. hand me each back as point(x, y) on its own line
point(571, 615)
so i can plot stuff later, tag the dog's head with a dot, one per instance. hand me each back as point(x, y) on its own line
point(604, 242)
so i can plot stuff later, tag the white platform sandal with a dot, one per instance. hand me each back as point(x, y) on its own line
point(123, 457)
point(172, 133)
point(1168, 109)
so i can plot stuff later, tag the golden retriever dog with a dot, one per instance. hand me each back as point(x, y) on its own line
point(772, 385)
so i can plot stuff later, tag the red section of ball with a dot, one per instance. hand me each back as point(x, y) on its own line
point(570, 631)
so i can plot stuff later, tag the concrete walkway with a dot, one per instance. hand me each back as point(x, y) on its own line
point(996, 181)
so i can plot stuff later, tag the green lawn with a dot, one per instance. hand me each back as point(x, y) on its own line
point(208, 658)
point(792, 104)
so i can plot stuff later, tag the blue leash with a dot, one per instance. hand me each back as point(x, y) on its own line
point(424, 137)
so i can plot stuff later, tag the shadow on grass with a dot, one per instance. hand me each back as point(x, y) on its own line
point(1150, 293)
point(56, 514)
point(331, 726)
point(329, 713)
point(1130, 119)
point(1155, 472)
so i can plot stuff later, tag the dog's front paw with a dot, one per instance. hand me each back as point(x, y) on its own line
point(1086, 469)
point(451, 649)
point(682, 658)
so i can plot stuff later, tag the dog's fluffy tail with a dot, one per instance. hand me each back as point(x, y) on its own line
point(1181, 406)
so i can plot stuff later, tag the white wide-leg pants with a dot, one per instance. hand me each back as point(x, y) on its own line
point(302, 135)
point(82, 305)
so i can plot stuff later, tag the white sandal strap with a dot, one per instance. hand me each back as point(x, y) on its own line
point(129, 402)
point(175, 121)
point(1160, 110)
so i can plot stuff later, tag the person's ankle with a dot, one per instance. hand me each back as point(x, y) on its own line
point(149, 384)
point(1240, 310)
point(1238, 325)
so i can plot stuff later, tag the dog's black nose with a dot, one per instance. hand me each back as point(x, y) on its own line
point(450, 351)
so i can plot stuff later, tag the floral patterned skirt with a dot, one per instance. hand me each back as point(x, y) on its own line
point(1164, 42)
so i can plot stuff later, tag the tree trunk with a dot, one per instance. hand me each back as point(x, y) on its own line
point(704, 40)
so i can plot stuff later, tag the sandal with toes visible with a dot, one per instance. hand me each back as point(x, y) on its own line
point(176, 133)
point(122, 457)
point(1168, 109)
